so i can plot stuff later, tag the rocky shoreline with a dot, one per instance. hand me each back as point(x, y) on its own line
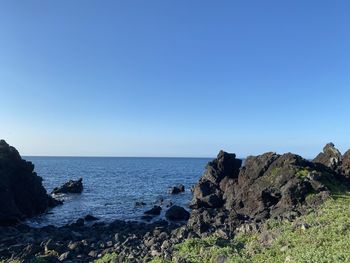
point(228, 198)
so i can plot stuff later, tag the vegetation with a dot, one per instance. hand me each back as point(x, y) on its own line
point(108, 258)
point(321, 236)
point(303, 173)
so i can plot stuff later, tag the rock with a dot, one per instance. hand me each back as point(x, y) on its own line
point(79, 222)
point(177, 213)
point(207, 192)
point(140, 204)
point(71, 187)
point(268, 185)
point(90, 218)
point(93, 254)
point(221, 258)
point(177, 189)
point(153, 211)
point(147, 218)
point(64, 256)
point(22, 194)
point(330, 157)
point(345, 167)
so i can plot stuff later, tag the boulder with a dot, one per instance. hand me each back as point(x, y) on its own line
point(177, 189)
point(70, 187)
point(330, 157)
point(22, 194)
point(177, 213)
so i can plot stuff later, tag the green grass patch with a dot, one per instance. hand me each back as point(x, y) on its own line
point(321, 236)
point(108, 258)
point(303, 173)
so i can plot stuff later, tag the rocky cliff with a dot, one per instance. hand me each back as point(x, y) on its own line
point(22, 194)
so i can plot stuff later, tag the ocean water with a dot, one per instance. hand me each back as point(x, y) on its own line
point(112, 185)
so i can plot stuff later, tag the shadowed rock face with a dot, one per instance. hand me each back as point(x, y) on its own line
point(207, 193)
point(22, 194)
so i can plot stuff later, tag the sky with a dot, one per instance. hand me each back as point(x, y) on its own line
point(174, 78)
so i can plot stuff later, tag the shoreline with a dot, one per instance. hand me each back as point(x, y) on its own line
point(228, 200)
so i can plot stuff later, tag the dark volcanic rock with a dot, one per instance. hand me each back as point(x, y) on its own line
point(268, 185)
point(177, 213)
point(273, 185)
point(177, 189)
point(90, 218)
point(71, 187)
point(155, 210)
point(208, 192)
point(22, 194)
point(345, 167)
point(330, 157)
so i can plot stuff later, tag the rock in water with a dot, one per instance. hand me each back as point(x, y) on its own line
point(177, 213)
point(330, 157)
point(155, 210)
point(22, 194)
point(71, 187)
point(177, 189)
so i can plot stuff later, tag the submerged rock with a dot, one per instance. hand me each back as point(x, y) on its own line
point(70, 187)
point(155, 210)
point(22, 194)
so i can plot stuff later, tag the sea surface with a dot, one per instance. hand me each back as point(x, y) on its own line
point(112, 185)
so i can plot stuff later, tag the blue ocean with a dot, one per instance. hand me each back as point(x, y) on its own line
point(112, 185)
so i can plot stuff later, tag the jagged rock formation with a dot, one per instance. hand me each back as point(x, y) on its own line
point(330, 157)
point(208, 192)
point(22, 194)
point(345, 166)
point(70, 187)
point(268, 185)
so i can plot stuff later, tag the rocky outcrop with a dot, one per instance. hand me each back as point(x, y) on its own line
point(22, 194)
point(268, 185)
point(208, 192)
point(70, 187)
point(330, 157)
point(345, 167)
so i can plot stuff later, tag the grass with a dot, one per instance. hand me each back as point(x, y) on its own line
point(321, 236)
point(108, 258)
point(303, 173)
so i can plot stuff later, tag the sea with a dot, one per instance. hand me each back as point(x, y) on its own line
point(113, 185)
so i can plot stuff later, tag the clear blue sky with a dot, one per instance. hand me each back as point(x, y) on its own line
point(174, 78)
